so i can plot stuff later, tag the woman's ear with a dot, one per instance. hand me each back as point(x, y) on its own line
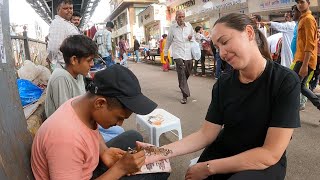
point(250, 32)
point(99, 103)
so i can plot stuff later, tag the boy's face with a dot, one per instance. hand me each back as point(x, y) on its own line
point(106, 116)
point(82, 65)
point(303, 5)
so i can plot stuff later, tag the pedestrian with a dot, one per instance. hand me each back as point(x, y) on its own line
point(179, 37)
point(103, 40)
point(76, 19)
point(60, 29)
point(296, 16)
point(165, 62)
point(200, 38)
point(253, 111)
point(136, 46)
point(306, 55)
point(123, 52)
point(68, 144)
point(286, 29)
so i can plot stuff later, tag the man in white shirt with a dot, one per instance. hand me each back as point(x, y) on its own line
point(103, 40)
point(179, 37)
point(286, 29)
point(60, 29)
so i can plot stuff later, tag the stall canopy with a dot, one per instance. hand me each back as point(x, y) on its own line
point(47, 8)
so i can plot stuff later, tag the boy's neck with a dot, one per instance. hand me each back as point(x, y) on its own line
point(82, 107)
point(71, 71)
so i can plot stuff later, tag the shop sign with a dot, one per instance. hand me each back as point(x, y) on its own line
point(267, 4)
point(220, 4)
point(184, 5)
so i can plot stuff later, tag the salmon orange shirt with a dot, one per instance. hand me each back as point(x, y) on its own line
point(64, 148)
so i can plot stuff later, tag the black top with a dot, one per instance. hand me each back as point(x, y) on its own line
point(136, 45)
point(248, 110)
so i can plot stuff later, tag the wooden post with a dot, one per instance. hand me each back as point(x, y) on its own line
point(26, 44)
point(15, 146)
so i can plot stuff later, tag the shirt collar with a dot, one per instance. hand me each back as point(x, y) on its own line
point(185, 25)
point(305, 14)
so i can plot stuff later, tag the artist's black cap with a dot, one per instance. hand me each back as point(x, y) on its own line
point(119, 82)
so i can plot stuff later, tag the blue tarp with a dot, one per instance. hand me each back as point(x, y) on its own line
point(29, 93)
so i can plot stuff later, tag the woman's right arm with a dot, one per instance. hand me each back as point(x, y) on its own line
point(192, 143)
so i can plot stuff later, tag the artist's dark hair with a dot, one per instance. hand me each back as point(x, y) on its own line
point(164, 35)
point(80, 46)
point(239, 22)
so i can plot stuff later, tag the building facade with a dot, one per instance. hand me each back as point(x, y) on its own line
point(124, 15)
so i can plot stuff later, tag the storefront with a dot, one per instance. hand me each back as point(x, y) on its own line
point(205, 12)
point(154, 20)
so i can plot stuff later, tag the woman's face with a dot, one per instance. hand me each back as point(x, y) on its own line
point(234, 46)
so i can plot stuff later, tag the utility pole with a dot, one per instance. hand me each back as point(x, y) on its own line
point(15, 146)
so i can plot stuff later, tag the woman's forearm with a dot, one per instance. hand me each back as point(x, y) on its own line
point(196, 141)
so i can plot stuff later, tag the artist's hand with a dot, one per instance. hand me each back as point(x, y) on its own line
point(198, 171)
point(112, 155)
point(303, 71)
point(165, 58)
point(131, 163)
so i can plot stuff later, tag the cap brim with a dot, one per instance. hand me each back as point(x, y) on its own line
point(139, 104)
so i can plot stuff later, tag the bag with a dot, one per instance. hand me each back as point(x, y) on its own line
point(29, 93)
point(207, 47)
point(195, 50)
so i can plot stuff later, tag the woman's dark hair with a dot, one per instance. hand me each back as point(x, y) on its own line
point(78, 45)
point(239, 22)
point(164, 35)
point(197, 29)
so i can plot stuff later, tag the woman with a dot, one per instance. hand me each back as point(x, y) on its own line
point(165, 62)
point(253, 111)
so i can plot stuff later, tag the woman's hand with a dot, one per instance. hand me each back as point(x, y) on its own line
point(198, 171)
point(150, 158)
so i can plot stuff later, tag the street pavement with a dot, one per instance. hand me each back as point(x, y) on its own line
point(162, 87)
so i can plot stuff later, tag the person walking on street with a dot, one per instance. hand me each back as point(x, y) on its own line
point(123, 52)
point(179, 37)
point(306, 54)
point(136, 47)
point(165, 62)
point(200, 38)
point(103, 40)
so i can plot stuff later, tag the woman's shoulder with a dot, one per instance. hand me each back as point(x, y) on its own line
point(280, 72)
